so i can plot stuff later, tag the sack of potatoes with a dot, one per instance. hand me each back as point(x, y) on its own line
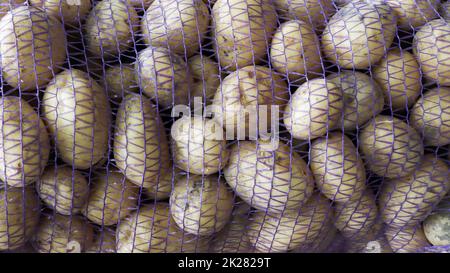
point(224, 126)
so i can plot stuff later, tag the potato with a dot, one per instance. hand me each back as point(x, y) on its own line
point(328, 234)
point(162, 189)
point(77, 113)
point(242, 30)
point(390, 147)
point(206, 77)
point(314, 12)
point(429, 116)
point(19, 216)
point(197, 145)
point(7, 5)
point(104, 242)
point(110, 28)
point(295, 51)
point(398, 75)
point(436, 228)
point(337, 167)
point(70, 12)
point(290, 230)
point(363, 98)
point(152, 230)
point(374, 241)
point(315, 108)
point(23, 141)
point(270, 180)
point(163, 76)
point(141, 149)
point(140, 4)
point(63, 234)
point(112, 198)
point(444, 10)
point(406, 239)
point(120, 79)
point(410, 199)
point(62, 189)
point(359, 34)
point(178, 25)
point(414, 13)
point(201, 205)
point(429, 48)
point(26, 65)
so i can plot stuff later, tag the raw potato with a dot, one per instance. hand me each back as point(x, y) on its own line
point(178, 25)
point(410, 199)
point(141, 149)
point(63, 234)
point(359, 34)
point(199, 145)
point(162, 189)
point(26, 65)
point(77, 113)
point(390, 147)
point(295, 51)
point(206, 77)
point(337, 167)
point(24, 143)
point(406, 239)
point(163, 76)
point(62, 189)
point(315, 108)
point(363, 98)
point(437, 228)
point(201, 205)
point(290, 230)
point(398, 75)
point(120, 80)
point(70, 12)
point(267, 179)
point(104, 242)
point(151, 229)
point(314, 12)
point(431, 117)
point(109, 28)
point(140, 4)
point(323, 243)
point(242, 30)
point(374, 241)
point(112, 198)
point(444, 10)
point(19, 216)
point(414, 13)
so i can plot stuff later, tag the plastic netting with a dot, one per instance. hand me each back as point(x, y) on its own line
point(224, 126)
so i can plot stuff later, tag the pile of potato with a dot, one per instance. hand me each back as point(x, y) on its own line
point(94, 158)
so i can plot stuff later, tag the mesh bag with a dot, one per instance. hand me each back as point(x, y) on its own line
point(224, 126)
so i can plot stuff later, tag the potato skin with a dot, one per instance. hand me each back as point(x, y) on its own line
point(414, 13)
point(78, 115)
point(104, 242)
point(314, 12)
point(337, 167)
point(359, 34)
point(429, 116)
point(270, 180)
point(120, 80)
point(390, 147)
point(237, 44)
point(444, 10)
point(70, 14)
point(374, 241)
point(28, 66)
point(206, 77)
point(19, 216)
point(406, 239)
point(436, 228)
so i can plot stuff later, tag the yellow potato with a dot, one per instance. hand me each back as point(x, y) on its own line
point(201, 205)
point(414, 13)
point(390, 147)
point(77, 113)
point(120, 80)
point(140, 4)
point(430, 116)
point(206, 77)
point(63, 190)
point(406, 239)
point(162, 189)
point(104, 242)
point(71, 12)
point(328, 234)
point(437, 226)
point(315, 108)
point(314, 12)
point(374, 241)
point(6, 5)
point(269, 180)
point(26, 65)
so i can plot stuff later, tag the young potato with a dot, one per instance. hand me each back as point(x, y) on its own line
point(398, 75)
point(19, 216)
point(78, 115)
point(315, 12)
point(414, 13)
point(141, 149)
point(162, 189)
point(359, 34)
point(437, 228)
point(110, 28)
point(199, 145)
point(363, 98)
point(178, 25)
point(410, 199)
point(408, 239)
point(201, 205)
point(24, 143)
point(163, 76)
point(242, 30)
point(63, 234)
point(62, 189)
point(104, 242)
point(7, 5)
point(295, 51)
point(26, 65)
point(430, 116)
point(112, 198)
point(390, 147)
point(315, 108)
point(374, 241)
point(71, 13)
point(206, 77)
point(290, 230)
point(337, 167)
point(270, 180)
point(120, 80)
